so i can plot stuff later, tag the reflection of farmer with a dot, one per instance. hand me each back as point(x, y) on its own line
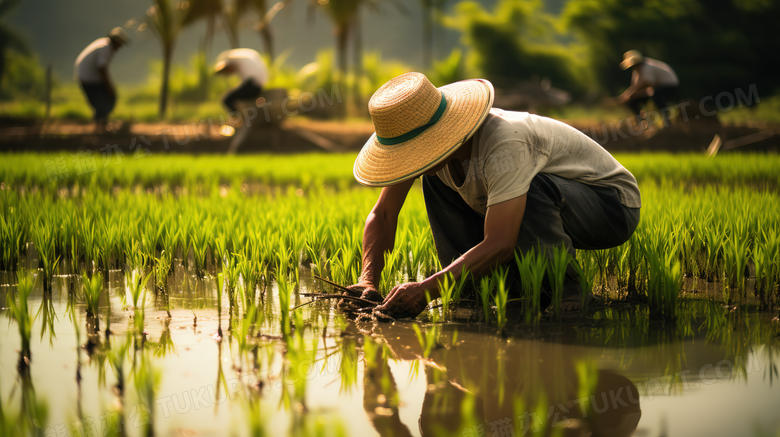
point(494, 181)
point(250, 67)
point(649, 79)
point(92, 72)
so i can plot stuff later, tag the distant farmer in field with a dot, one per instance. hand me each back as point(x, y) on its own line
point(91, 70)
point(247, 65)
point(650, 78)
point(494, 182)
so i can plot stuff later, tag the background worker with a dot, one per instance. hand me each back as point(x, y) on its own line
point(494, 182)
point(247, 65)
point(650, 78)
point(91, 71)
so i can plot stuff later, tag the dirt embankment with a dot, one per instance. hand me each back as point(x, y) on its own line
point(300, 135)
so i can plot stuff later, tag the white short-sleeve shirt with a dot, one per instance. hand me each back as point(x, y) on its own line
point(657, 73)
point(96, 56)
point(248, 64)
point(510, 148)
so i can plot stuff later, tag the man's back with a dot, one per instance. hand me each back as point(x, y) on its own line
point(247, 63)
point(512, 147)
point(658, 73)
point(94, 57)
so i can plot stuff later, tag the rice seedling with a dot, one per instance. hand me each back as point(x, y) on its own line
point(587, 269)
point(714, 243)
point(664, 280)
point(735, 257)
point(446, 289)
point(19, 311)
point(485, 287)
point(44, 238)
point(92, 287)
point(13, 231)
point(389, 275)
point(556, 275)
point(200, 241)
point(532, 267)
point(136, 285)
point(766, 258)
point(285, 290)
point(502, 295)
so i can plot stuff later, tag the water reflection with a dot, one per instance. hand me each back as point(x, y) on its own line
point(359, 378)
point(479, 385)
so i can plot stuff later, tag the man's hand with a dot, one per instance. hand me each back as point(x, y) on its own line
point(366, 290)
point(406, 300)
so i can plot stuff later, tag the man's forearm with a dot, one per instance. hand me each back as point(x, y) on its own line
point(478, 261)
point(378, 238)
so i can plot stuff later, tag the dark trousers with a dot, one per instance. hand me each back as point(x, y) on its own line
point(660, 97)
point(101, 100)
point(558, 210)
point(248, 90)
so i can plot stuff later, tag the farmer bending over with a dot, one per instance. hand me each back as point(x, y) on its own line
point(92, 72)
point(650, 78)
point(247, 65)
point(494, 182)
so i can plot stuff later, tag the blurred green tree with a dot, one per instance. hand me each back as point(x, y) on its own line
point(713, 45)
point(23, 76)
point(10, 39)
point(517, 42)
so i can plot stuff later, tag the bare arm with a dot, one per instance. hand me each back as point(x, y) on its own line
point(502, 226)
point(379, 233)
point(640, 87)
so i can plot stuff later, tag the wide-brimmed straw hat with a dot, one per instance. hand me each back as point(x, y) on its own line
point(631, 58)
point(417, 126)
point(119, 35)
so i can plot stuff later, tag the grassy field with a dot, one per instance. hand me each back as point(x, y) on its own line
point(262, 217)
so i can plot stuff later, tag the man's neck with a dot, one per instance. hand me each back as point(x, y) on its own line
point(457, 159)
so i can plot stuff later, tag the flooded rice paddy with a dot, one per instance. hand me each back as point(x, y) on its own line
point(713, 372)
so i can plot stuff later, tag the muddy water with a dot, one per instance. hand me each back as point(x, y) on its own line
point(711, 373)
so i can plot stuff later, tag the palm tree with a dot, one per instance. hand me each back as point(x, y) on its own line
point(345, 17)
point(231, 14)
point(265, 16)
point(165, 20)
point(208, 10)
point(10, 39)
point(342, 13)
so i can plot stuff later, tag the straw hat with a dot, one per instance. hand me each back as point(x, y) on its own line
point(631, 58)
point(417, 126)
point(119, 35)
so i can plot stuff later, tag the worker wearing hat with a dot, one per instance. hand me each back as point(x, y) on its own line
point(250, 68)
point(91, 70)
point(650, 78)
point(493, 181)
